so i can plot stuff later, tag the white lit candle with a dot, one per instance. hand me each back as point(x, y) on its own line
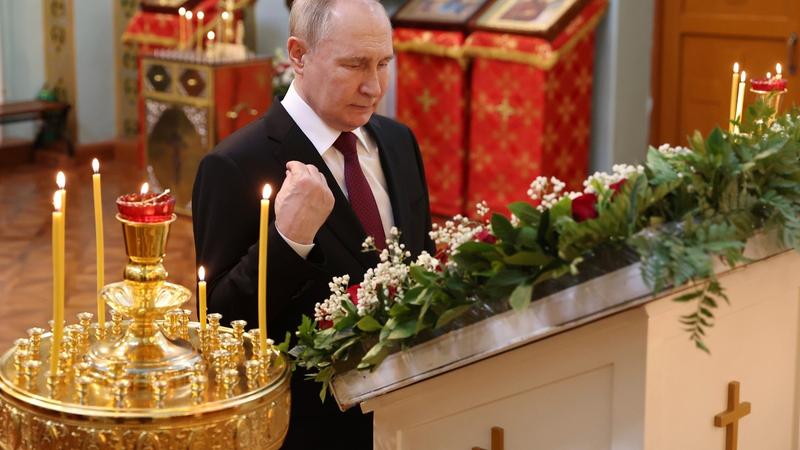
point(778, 71)
point(740, 100)
point(734, 97)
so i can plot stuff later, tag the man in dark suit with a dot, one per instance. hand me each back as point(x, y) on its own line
point(343, 173)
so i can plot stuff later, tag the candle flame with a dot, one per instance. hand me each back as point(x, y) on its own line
point(225, 15)
point(736, 67)
point(96, 165)
point(210, 35)
point(57, 201)
point(266, 192)
point(182, 11)
point(189, 15)
point(200, 15)
point(778, 69)
point(61, 180)
point(769, 75)
point(744, 76)
point(145, 188)
point(201, 273)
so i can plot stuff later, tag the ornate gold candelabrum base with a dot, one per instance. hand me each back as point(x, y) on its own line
point(151, 380)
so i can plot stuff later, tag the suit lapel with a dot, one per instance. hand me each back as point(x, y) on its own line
point(391, 164)
point(342, 222)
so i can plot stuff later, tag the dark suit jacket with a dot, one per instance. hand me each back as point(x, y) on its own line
point(225, 207)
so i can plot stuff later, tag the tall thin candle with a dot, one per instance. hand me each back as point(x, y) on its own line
point(263, 237)
point(201, 294)
point(61, 182)
point(734, 97)
point(181, 27)
point(200, 16)
point(740, 100)
point(188, 17)
point(58, 281)
point(99, 242)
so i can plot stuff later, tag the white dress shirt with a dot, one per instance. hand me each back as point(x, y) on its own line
point(322, 137)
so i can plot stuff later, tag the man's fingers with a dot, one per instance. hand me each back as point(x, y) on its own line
point(296, 167)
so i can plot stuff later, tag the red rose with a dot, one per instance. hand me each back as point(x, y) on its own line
point(352, 291)
point(584, 207)
point(617, 186)
point(485, 236)
point(325, 324)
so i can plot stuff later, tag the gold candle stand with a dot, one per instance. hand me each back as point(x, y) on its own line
point(151, 380)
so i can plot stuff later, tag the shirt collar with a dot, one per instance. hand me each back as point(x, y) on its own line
point(321, 135)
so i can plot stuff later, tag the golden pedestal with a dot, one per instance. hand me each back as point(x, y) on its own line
point(150, 379)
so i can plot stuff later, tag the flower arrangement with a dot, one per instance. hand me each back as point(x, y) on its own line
point(282, 74)
point(679, 212)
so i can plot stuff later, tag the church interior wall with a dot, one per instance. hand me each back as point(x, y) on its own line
point(621, 104)
point(94, 63)
point(621, 114)
point(23, 56)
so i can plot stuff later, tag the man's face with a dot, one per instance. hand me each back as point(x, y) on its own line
point(345, 75)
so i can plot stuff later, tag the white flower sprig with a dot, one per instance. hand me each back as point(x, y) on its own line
point(455, 232)
point(331, 309)
point(389, 279)
point(548, 192)
point(670, 151)
point(600, 182)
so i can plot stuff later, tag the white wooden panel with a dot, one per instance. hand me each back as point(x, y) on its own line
point(571, 414)
point(754, 341)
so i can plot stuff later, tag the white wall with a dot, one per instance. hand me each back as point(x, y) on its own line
point(622, 105)
point(95, 70)
point(23, 56)
point(24, 72)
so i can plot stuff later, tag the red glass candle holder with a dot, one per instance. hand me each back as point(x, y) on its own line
point(145, 208)
point(768, 85)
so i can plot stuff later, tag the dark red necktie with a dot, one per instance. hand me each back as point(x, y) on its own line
point(361, 199)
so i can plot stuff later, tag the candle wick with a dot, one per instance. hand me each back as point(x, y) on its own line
point(153, 199)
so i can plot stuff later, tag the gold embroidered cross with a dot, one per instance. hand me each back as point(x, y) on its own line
point(505, 109)
point(426, 100)
point(730, 418)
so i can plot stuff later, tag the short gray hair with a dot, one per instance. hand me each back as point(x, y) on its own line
point(309, 19)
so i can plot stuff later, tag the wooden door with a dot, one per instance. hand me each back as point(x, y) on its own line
point(697, 43)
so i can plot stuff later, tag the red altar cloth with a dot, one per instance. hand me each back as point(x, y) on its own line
point(530, 113)
point(431, 93)
point(152, 30)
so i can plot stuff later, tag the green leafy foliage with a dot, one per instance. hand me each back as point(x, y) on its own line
point(683, 213)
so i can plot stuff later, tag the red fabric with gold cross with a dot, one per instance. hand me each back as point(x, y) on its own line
point(431, 91)
point(530, 110)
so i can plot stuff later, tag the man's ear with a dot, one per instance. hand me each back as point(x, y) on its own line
point(297, 52)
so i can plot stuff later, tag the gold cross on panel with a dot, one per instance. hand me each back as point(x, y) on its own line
point(497, 440)
point(730, 418)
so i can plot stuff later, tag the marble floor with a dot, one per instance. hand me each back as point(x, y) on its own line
point(25, 252)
